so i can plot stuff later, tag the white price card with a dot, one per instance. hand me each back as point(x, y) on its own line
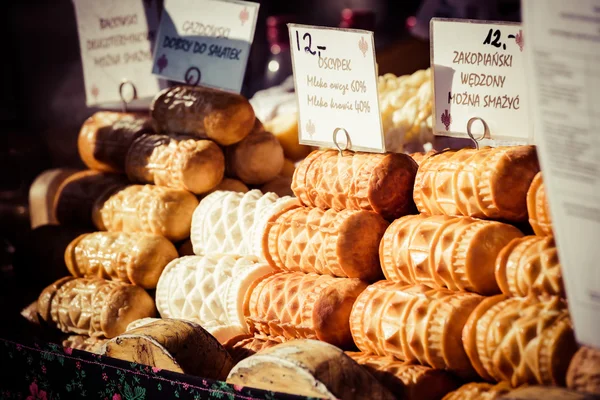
point(563, 59)
point(205, 42)
point(336, 86)
point(479, 75)
point(116, 39)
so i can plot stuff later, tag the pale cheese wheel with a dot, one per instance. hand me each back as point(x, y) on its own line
point(308, 368)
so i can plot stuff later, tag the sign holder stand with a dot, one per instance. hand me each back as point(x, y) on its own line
point(348, 144)
point(486, 131)
point(125, 101)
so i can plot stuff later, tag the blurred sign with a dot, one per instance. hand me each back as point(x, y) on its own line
point(205, 42)
point(116, 39)
point(563, 54)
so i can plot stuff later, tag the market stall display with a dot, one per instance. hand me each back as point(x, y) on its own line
point(412, 264)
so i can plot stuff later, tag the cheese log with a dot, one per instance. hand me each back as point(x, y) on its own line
point(357, 181)
point(209, 290)
point(530, 265)
point(405, 380)
point(343, 244)
point(479, 391)
point(173, 345)
point(256, 159)
point(490, 183)
point(307, 368)
point(147, 209)
point(246, 345)
point(205, 113)
point(105, 137)
point(583, 374)
point(298, 305)
point(94, 306)
point(42, 193)
point(458, 253)
point(76, 196)
point(85, 343)
point(134, 258)
point(520, 340)
point(538, 208)
point(288, 168)
point(44, 302)
point(281, 186)
point(176, 162)
point(414, 324)
point(285, 129)
point(233, 222)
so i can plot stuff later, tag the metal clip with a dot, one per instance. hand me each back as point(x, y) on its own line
point(348, 144)
point(125, 101)
point(486, 131)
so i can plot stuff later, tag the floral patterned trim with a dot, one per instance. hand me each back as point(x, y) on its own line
point(53, 372)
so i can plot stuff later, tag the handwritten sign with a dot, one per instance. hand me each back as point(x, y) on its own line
point(336, 85)
point(479, 72)
point(205, 42)
point(116, 39)
point(563, 53)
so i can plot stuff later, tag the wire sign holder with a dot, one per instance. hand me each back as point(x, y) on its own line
point(125, 100)
point(485, 135)
point(347, 145)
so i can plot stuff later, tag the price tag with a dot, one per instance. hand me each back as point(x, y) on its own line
point(116, 39)
point(479, 75)
point(336, 86)
point(205, 42)
point(563, 55)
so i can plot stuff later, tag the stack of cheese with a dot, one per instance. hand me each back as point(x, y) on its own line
point(325, 248)
point(418, 265)
point(140, 194)
point(209, 287)
point(326, 252)
point(441, 303)
point(465, 296)
point(195, 140)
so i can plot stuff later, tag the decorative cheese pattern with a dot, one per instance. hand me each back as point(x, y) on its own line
point(458, 253)
point(530, 265)
point(521, 340)
point(233, 223)
point(414, 324)
point(357, 181)
point(489, 183)
point(342, 244)
point(210, 291)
